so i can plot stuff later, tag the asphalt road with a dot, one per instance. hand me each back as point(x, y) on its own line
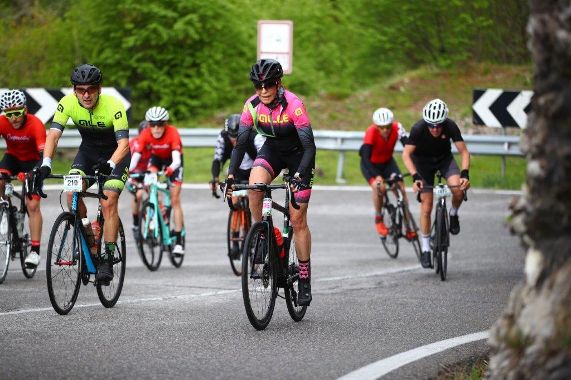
point(190, 322)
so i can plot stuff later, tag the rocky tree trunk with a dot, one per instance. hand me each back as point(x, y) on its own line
point(532, 339)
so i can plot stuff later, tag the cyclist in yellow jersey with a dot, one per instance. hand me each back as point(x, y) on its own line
point(102, 122)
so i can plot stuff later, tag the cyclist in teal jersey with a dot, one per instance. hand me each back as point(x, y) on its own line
point(102, 123)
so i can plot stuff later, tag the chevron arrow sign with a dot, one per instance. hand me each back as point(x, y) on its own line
point(494, 107)
point(42, 102)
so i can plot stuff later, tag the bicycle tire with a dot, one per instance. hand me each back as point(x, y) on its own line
point(295, 311)
point(391, 241)
point(441, 256)
point(108, 295)
point(5, 241)
point(411, 224)
point(259, 287)
point(25, 244)
point(176, 260)
point(149, 245)
point(63, 264)
point(235, 262)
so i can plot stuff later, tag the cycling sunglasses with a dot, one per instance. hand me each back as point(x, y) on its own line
point(265, 84)
point(91, 90)
point(16, 113)
point(385, 126)
point(157, 124)
point(434, 126)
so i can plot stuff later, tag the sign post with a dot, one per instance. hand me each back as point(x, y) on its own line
point(275, 41)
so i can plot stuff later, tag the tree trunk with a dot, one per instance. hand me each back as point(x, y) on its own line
point(532, 339)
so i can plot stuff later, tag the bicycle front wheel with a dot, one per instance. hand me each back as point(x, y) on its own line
point(391, 241)
point(441, 250)
point(108, 295)
point(244, 222)
point(259, 288)
point(150, 239)
point(5, 241)
point(412, 226)
point(175, 259)
point(25, 244)
point(63, 264)
point(296, 312)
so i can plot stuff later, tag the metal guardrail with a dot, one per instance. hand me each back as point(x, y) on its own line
point(341, 141)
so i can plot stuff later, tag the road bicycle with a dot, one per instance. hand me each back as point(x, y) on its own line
point(15, 240)
point(70, 260)
point(440, 230)
point(155, 235)
point(397, 217)
point(267, 265)
point(240, 221)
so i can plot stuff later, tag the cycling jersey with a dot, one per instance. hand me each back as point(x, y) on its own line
point(145, 151)
point(430, 148)
point(287, 127)
point(100, 127)
point(26, 142)
point(382, 150)
point(162, 147)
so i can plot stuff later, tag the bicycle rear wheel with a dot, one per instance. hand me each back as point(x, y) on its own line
point(25, 244)
point(391, 241)
point(5, 241)
point(150, 239)
point(259, 288)
point(296, 312)
point(412, 226)
point(244, 223)
point(108, 295)
point(63, 264)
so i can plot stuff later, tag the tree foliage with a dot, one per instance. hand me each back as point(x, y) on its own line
point(194, 57)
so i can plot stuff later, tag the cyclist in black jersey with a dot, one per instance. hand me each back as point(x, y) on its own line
point(102, 122)
point(427, 151)
point(281, 116)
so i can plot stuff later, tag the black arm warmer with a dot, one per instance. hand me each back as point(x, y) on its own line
point(308, 144)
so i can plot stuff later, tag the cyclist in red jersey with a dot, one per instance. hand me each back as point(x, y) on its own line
point(377, 162)
point(166, 154)
point(279, 115)
point(25, 137)
point(135, 185)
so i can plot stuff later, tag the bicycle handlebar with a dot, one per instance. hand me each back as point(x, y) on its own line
point(262, 187)
point(99, 178)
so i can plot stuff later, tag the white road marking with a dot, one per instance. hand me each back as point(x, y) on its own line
point(382, 367)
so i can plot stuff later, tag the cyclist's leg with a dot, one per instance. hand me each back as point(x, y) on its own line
point(265, 168)
point(375, 182)
point(452, 174)
point(426, 171)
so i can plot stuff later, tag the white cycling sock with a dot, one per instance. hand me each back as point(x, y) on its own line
point(425, 243)
point(453, 211)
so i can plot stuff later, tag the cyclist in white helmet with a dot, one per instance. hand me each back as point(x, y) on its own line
point(166, 154)
point(377, 162)
point(25, 137)
point(429, 150)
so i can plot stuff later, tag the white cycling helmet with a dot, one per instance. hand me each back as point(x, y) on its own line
point(383, 116)
point(157, 114)
point(435, 111)
point(12, 99)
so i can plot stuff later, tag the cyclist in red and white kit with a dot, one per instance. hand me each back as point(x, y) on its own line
point(25, 137)
point(377, 162)
point(135, 185)
point(164, 142)
point(279, 115)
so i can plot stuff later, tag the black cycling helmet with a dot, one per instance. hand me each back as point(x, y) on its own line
point(86, 74)
point(231, 124)
point(266, 69)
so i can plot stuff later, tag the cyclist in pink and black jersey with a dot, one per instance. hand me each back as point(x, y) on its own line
point(279, 115)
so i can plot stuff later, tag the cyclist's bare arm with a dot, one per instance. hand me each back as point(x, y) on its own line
point(407, 159)
point(52, 140)
point(465, 155)
point(121, 151)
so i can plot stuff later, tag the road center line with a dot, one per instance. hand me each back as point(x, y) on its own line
point(384, 366)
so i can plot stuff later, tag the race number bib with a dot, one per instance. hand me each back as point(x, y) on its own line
point(72, 183)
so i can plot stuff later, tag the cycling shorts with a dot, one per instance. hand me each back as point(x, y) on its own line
point(427, 170)
point(385, 170)
point(12, 166)
point(273, 162)
point(86, 158)
point(161, 164)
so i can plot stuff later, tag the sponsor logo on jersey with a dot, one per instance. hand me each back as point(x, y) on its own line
point(281, 119)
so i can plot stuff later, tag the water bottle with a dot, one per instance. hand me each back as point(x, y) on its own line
point(89, 237)
point(20, 223)
point(279, 242)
